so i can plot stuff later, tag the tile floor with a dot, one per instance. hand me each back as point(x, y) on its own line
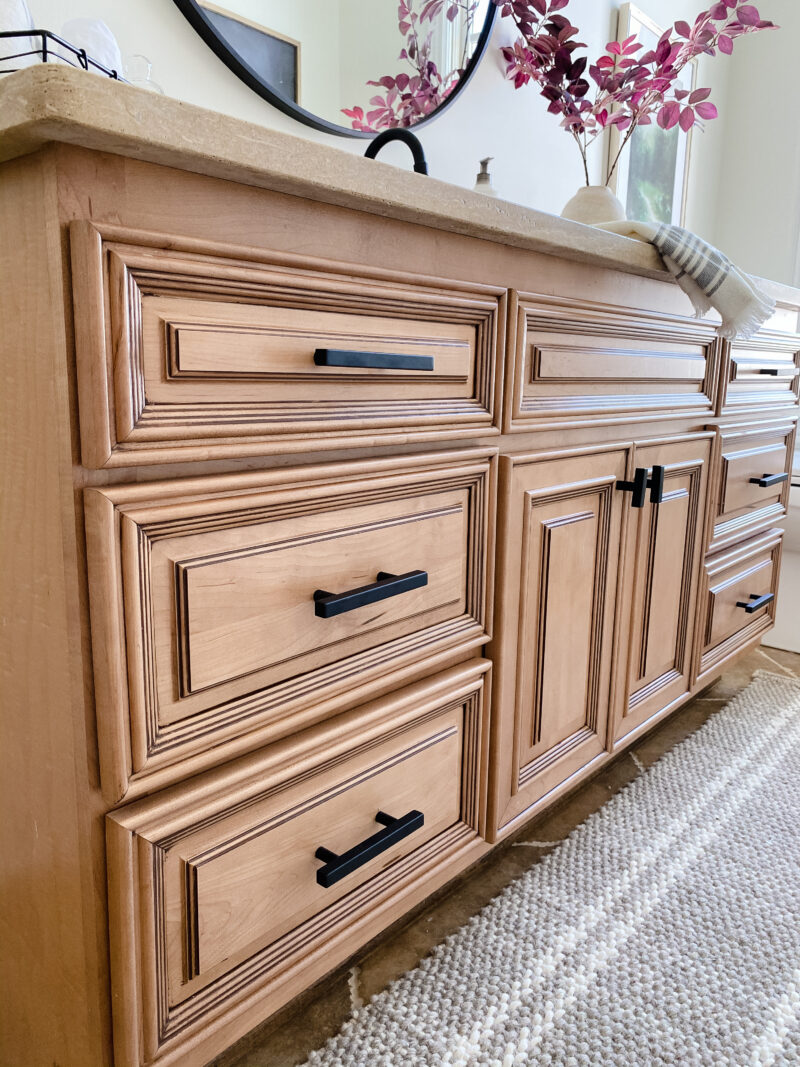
point(286, 1039)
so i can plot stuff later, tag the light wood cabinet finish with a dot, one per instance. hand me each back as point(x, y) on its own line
point(203, 601)
point(187, 344)
point(586, 362)
point(180, 476)
point(750, 454)
point(562, 520)
point(748, 570)
point(596, 609)
point(762, 374)
point(663, 550)
point(219, 874)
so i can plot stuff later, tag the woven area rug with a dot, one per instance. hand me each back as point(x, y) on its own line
point(664, 930)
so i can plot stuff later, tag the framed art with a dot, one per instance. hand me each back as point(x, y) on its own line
point(268, 53)
point(652, 176)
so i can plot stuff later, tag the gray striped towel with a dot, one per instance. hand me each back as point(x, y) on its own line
point(707, 277)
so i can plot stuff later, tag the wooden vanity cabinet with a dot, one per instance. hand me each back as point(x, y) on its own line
point(193, 480)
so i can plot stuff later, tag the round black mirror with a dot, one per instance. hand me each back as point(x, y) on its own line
point(346, 66)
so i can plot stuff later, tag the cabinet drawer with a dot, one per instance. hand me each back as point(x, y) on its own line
point(763, 374)
point(188, 352)
point(224, 877)
point(753, 478)
point(741, 587)
point(238, 608)
point(571, 363)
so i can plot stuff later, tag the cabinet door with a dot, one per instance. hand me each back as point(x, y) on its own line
point(663, 546)
point(561, 520)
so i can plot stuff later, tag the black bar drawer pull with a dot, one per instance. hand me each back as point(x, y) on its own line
point(335, 357)
point(769, 370)
point(770, 479)
point(755, 602)
point(338, 866)
point(326, 604)
point(638, 487)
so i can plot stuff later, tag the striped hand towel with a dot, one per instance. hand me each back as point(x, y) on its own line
point(707, 277)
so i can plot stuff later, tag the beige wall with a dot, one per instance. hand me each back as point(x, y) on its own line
point(745, 169)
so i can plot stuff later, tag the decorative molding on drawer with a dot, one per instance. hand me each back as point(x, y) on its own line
point(216, 918)
point(576, 363)
point(206, 944)
point(732, 576)
point(201, 593)
point(745, 452)
point(761, 374)
point(190, 350)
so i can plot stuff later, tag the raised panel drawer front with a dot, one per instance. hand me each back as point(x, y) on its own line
point(187, 351)
point(753, 478)
point(562, 516)
point(663, 550)
point(229, 610)
point(220, 910)
point(572, 363)
point(763, 373)
point(741, 586)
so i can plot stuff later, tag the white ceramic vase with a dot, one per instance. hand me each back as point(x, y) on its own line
point(592, 204)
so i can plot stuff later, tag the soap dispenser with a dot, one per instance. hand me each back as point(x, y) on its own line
point(483, 180)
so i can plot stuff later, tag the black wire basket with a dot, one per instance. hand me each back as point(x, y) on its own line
point(47, 52)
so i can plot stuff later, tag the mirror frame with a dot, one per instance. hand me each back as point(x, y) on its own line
point(196, 16)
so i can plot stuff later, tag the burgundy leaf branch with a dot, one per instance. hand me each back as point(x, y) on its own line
point(630, 89)
point(410, 97)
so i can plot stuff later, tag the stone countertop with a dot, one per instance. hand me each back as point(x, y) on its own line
point(48, 103)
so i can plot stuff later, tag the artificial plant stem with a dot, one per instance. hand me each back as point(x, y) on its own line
point(627, 138)
point(582, 150)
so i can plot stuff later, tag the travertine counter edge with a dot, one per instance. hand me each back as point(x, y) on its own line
point(45, 104)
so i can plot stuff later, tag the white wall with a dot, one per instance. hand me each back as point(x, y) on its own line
point(745, 166)
point(758, 218)
point(315, 24)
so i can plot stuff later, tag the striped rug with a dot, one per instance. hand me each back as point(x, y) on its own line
point(664, 930)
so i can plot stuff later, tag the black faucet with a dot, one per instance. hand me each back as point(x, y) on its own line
point(399, 134)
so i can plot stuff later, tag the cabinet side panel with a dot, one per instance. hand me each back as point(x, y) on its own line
point(53, 971)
